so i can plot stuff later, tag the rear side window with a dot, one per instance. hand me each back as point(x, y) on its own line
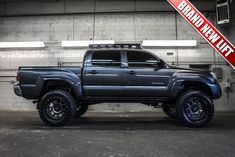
point(141, 59)
point(106, 58)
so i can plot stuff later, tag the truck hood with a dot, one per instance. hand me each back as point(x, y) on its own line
point(195, 73)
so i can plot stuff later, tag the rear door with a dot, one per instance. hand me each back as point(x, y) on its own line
point(104, 76)
point(146, 75)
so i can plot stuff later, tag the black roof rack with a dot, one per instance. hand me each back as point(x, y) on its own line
point(105, 46)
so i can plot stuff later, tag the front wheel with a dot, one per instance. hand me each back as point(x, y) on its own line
point(194, 108)
point(57, 107)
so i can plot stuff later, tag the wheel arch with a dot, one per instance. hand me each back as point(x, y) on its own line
point(196, 85)
point(68, 83)
point(50, 85)
point(182, 86)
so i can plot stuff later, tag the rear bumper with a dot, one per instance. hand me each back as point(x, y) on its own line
point(17, 89)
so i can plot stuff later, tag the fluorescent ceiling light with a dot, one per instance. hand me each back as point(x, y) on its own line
point(85, 43)
point(21, 44)
point(169, 43)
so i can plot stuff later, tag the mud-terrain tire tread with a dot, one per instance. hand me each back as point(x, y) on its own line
point(186, 96)
point(70, 101)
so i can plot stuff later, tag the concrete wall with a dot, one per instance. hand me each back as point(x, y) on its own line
point(38, 7)
point(74, 20)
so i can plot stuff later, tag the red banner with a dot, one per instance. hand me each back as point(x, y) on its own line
point(206, 29)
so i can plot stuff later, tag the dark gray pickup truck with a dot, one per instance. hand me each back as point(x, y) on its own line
point(119, 73)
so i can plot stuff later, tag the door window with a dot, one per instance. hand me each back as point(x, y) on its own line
point(106, 58)
point(141, 59)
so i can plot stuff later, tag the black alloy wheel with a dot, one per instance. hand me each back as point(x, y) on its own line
point(57, 107)
point(195, 108)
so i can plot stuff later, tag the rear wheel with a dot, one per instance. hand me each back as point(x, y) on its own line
point(195, 108)
point(169, 110)
point(57, 107)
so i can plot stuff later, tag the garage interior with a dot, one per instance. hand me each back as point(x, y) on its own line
point(123, 21)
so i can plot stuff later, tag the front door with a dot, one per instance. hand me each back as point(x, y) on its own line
point(146, 75)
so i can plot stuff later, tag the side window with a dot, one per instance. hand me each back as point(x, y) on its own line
point(106, 58)
point(141, 59)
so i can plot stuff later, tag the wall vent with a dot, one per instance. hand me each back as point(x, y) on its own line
point(223, 12)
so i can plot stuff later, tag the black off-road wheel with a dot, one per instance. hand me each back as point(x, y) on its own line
point(169, 110)
point(57, 107)
point(195, 108)
point(81, 110)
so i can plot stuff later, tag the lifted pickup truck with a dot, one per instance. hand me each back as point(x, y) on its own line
point(119, 73)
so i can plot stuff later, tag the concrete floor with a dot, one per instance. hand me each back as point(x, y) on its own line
point(115, 135)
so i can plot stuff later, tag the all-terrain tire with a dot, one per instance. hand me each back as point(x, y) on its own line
point(195, 108)
point(57, 107)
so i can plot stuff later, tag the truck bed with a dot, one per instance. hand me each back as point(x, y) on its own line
point(30, 77)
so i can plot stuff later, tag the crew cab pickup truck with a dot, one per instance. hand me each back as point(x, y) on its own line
point(119, 73)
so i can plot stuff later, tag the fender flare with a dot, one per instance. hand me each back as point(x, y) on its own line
point(176, 84)
point(73, 80)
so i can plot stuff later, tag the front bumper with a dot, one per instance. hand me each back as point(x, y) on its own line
point(17, 89)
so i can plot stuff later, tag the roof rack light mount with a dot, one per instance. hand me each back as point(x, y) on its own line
point(126, 46)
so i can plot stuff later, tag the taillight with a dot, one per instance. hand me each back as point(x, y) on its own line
point(17, 76)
